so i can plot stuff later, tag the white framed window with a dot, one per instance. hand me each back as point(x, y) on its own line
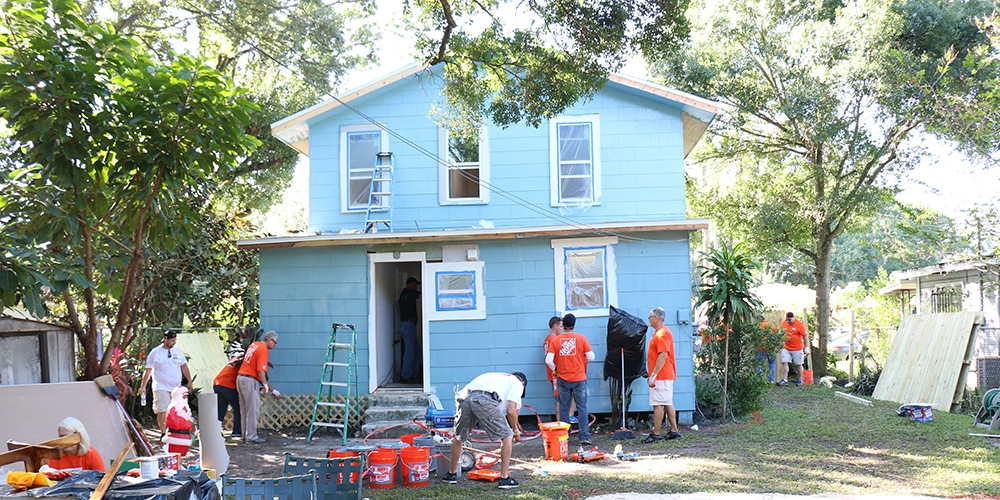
point(464, 169)
point(575, 158)
point(457, 289)
point(359, 147)
point(585, 275)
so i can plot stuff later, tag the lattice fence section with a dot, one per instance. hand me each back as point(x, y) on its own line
point(295, 410)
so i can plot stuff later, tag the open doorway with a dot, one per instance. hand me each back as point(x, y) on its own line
point(389, 275)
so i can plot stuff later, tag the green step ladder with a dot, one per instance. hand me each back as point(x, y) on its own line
point(327, 384)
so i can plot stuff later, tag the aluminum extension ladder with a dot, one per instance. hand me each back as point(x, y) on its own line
point(380, 194)
point(328, 383)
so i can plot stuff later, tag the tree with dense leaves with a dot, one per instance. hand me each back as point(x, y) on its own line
point(112, 154)
point(820, 99)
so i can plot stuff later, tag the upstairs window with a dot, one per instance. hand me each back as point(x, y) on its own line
point(585, 268)
point(465, 167)
point(359, 147)
point(575, 157)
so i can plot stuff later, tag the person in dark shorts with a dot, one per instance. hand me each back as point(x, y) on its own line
point(491, 400)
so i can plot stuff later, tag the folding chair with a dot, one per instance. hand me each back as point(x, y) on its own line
point(302, 487)
point(338, 478)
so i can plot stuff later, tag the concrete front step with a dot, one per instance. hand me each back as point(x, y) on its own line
point(394, 413)
point(394, 430)
point(395, 409)
point(398, 398)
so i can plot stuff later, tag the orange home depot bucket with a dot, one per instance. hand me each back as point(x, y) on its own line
point(408, 438)
point(555, 440)
point(807, 377)
point(346, 454)
point(416, 466)
point(381, 468)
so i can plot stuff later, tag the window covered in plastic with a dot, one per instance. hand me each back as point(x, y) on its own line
point(585, 278)
point(576, 165)
point(456, 291)
point(362, 148)
point(463, 168)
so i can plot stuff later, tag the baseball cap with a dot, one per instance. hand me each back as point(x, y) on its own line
point(411, 279)
point(169, 334)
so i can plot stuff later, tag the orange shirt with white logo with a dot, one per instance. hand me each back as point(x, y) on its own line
point(570, 349)
point(255, 360)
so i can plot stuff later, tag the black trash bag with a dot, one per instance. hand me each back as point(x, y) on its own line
point(185, 485)
point(628, 332)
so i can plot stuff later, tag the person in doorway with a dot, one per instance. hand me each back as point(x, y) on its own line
point(662, 373)
point(408, 330)
point(555, 329)
point(795, 349)
point(167, 366)
point(252, 374)
point(491, 401)
point(224, 386)
point(568, 356)
point(78, 456)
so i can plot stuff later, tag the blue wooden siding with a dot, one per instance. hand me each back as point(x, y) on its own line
point(641, 150)
point(304, 290)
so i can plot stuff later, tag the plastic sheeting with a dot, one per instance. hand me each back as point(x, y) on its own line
point(629, 333)
point(585, 278)
point(183, 486)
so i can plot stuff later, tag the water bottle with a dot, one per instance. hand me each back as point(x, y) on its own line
point(142, 399)
point(618, 451)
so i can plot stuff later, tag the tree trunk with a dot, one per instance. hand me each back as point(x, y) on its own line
point(823, 264)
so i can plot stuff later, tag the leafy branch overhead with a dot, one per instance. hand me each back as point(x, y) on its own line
point(555, 54)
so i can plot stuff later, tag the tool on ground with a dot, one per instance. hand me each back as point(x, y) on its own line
point(853, 398)
point(33, 454)
point(107, 384)
point(624, 432)
point(109, 476)
point(439, 419)
point(512, 459)
point(327, 383)
point(996, 436)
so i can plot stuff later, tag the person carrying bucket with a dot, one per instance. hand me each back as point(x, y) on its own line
point(493, 401)
point(795, 349)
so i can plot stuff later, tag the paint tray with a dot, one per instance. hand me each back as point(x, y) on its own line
point(487, 474)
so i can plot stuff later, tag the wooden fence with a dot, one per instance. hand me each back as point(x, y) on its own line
point(295, 410)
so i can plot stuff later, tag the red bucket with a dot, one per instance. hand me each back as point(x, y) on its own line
point(555, 440)
point(416, 466)
point(408, 438)
point(346, 454)
point(807, 377)
point(381, 468)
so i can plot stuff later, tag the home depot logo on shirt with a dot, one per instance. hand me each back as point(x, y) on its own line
point(568, 347)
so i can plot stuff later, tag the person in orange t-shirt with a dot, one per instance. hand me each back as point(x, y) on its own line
point(78, 456)
point(568, 356)
point(252, 374)
point(662, 373)
point(795, 349)
point(224, 386)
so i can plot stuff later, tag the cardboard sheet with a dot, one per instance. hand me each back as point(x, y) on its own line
point(206, 357)
point(31, 413)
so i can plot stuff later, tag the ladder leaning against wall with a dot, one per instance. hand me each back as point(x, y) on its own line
point(326, 408)
point(380, 194)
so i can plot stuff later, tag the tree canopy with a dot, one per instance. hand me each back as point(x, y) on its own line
point(113, 154)
point(820, 100)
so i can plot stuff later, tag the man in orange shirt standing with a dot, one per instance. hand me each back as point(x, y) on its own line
point(795, 349)
point(568, 356)
point(252, 374)
point(662, 373)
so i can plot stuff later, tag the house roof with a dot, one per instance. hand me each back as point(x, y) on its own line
point(325, 240)
point(697, 112)
point(906, 279)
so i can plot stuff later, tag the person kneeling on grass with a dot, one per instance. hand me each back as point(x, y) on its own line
point(491, 400)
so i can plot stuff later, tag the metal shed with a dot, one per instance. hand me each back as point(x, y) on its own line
point(32, 352)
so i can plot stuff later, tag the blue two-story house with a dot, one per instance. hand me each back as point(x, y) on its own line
point(504, 230)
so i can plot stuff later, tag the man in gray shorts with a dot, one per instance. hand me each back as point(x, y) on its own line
point(491, 400)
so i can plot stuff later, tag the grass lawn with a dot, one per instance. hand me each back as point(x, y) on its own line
point(805, 441)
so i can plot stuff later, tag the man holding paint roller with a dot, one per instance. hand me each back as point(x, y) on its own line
point(491, 400)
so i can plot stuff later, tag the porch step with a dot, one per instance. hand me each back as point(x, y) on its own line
point(396, 409)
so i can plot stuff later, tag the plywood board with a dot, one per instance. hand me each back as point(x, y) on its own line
point(929, 359)
point(206, 357)
point(31, 413)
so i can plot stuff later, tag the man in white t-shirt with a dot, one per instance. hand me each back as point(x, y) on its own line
point(491, 400)
point(166, 364)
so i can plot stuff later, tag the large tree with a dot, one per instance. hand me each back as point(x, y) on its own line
point(112, 154)
point(820, 100)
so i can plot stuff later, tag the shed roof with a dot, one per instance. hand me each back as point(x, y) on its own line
point(696, 112)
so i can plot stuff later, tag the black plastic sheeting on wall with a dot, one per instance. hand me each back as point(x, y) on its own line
point(182, 486)
point(629, 333)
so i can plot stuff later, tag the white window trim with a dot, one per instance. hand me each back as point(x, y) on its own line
point(430, 290)
point(345, 183)
point(610, 272)
point(595, 123)
point(484, 170)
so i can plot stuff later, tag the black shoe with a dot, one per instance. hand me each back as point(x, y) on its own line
point(652, 438)
point(449, 478)
point(507, 482)
point(672, 435)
